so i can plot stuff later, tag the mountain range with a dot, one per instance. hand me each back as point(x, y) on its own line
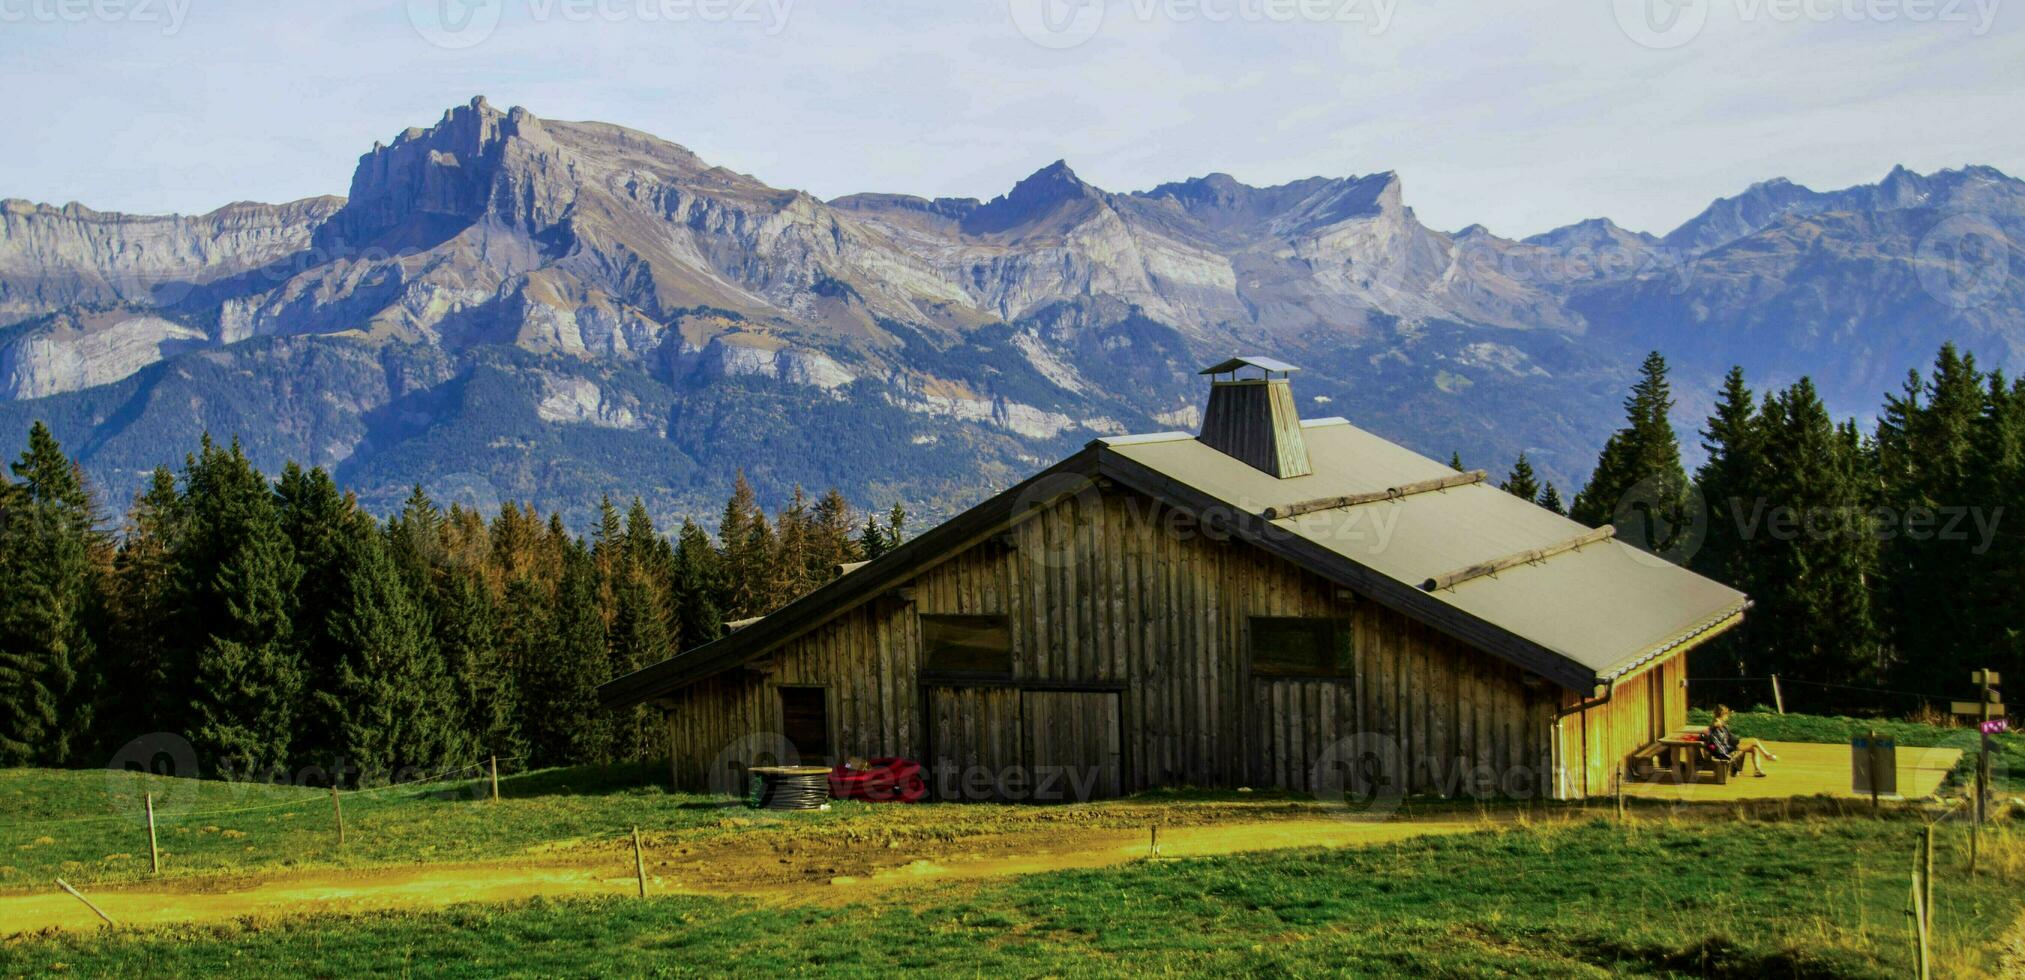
point(509, 307)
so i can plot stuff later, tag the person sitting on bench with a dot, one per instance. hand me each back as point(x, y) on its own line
point(1725, 748)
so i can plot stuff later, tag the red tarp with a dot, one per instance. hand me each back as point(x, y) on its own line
point(883, 781)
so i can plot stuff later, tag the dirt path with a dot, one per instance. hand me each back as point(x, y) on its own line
point(796, 872)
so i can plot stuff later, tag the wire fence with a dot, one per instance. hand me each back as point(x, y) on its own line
point(310, 796)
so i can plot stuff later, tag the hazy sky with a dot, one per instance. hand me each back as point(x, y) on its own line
point(1519, 115)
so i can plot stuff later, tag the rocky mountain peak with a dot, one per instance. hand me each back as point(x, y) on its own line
point(1050, 197)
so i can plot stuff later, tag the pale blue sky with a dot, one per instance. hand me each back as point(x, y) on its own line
point(1520, 115)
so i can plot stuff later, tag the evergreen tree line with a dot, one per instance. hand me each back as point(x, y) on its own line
point(278, 626)
point(1883, 564)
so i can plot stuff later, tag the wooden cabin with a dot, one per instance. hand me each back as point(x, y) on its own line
point(1269, 603)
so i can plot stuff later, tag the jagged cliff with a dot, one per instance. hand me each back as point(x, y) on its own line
point(508, 279)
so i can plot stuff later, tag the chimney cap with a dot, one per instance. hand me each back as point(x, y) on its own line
point(1270, 365)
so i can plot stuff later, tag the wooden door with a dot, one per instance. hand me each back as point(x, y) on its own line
point(1074, 745)
point(973, 741)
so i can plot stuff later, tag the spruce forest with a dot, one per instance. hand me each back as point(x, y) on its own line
point(278, 626)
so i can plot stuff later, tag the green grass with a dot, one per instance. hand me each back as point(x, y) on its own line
point(1807, 897)
point(2007, 764)
point(88, 825)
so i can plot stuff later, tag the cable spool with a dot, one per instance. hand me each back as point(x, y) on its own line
point(792, 788)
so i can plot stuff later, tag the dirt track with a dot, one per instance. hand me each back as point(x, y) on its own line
point(801, 871)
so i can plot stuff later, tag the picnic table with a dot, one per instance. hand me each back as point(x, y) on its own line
point(1685, 756)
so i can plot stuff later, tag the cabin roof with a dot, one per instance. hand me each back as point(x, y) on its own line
point(1252, 360)
point(1581, 616)
point(1606, 606)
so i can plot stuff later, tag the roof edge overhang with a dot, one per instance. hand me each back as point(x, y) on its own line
point(846, 592)
point(1695, 635)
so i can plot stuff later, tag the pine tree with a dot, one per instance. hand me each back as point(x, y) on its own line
point(831, 543)
point(639, 638)
point(388, 690)
point(746, 556)
point(52, 569)
point(138, 604)
point(896, 526)
point(1550, 498)
point(563, 723)
point(1638, 478)
point(1816, 547)
point(1455, 462)
point(790, 572)
point(873, 540)
point(1732, 485)
point(1522, 483)
point(1925, 451)
point(317, 519)
point(235, 654)
point(486, 698)
point(695, 587)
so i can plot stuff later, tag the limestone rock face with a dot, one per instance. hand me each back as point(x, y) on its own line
point(52, 258)
point(630, 289)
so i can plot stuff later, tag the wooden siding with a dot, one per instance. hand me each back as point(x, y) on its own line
point(1108, 591)
point(1641, 708)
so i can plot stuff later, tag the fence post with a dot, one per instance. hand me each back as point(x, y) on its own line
point(639, 863)
point(339, 810)
point(74, 893)
point(154, 849)
point(495, 779)
point(1919, 902)
point(1927, 874)
point(1778, 700)
point(1153, 849)
point(1620, 792)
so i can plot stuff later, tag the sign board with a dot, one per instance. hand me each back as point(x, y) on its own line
point(1997, 727)
point(1976, 708)
point(1873, 765)
point(1979, 677)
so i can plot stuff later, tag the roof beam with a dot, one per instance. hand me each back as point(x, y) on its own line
point(1452, 579)
point(1374, 496)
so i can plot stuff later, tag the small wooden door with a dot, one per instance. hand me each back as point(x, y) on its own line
point(1074, 745)
point(973, 740)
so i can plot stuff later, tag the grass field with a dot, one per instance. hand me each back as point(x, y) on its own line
point(1806, 897)
point(89, 826)
point(2007, 765)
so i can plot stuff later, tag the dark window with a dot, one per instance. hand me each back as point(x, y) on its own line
point(1293, 647)
point(966, 644)
point(805, 720)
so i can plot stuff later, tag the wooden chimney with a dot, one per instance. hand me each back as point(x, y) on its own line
point(1253, 419)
